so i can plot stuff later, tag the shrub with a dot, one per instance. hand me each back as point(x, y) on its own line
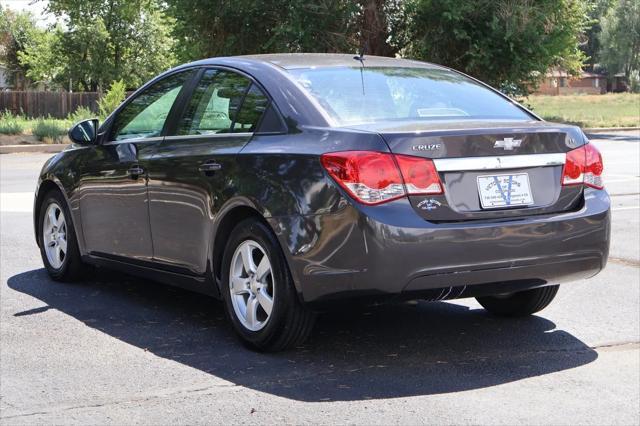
point(49, 130)
point(81, 113)
point(10, 124)
point(110, 101)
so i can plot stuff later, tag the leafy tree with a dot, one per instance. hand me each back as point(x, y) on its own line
point(110, 101)
point(40, 56)
point(107, 40)
point(620, 38)
point(591, 40)
point(206, 28)
point(16, 29)
point(508, 44)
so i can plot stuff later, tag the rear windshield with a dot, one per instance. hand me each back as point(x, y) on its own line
point(356, 95)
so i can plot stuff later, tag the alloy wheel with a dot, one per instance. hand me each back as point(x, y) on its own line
point(54, 235)
point(251, 285)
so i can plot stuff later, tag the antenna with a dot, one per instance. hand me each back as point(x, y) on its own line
point(363, 49)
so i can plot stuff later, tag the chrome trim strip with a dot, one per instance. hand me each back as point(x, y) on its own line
point(209, 136)
point(134, 140)
point(499, 162)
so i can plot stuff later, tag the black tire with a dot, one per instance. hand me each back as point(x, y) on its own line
point(520, 304)
point(72, 268)
point(290, 322)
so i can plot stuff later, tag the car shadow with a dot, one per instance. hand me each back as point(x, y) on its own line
point(386, 351)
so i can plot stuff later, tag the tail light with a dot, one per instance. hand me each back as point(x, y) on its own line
point(583, 166)
point(378, 177)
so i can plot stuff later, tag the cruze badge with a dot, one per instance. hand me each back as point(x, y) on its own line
point(508, 144)
point(426, 147)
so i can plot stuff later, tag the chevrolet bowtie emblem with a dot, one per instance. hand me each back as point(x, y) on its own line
point(508, 143)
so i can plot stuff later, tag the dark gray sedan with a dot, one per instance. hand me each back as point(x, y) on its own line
point(280, 182)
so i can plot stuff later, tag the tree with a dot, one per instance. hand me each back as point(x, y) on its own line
point(16, 29)
point(206, 28)
point(620, 38)
point(40, 55)
point(591, 43)
point(108, 40)
point(508, 44)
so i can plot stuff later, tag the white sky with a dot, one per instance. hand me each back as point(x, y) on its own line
point(36, 7)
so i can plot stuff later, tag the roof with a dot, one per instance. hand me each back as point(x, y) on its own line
point(561, 73)
point(315, 60)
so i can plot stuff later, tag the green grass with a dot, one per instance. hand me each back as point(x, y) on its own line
point(49, 129)
point(609, 110)
point(11, 124)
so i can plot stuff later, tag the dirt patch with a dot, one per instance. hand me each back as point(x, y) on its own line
point(29, 140)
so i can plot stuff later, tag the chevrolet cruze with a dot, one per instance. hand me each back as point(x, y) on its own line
point(280, 182)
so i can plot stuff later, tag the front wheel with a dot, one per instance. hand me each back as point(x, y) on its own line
point(259, 294)
point(57, 239)
point(521, 303)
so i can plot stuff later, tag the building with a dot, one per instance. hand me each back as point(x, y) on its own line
point(558, 82)
point(4, 78)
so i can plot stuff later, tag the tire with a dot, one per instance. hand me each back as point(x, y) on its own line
point(520, 304)
point(289, 322)
point(66, 265)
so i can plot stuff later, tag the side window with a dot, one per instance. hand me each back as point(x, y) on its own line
point(215, 105)
point(253, 106)
point(145, 115)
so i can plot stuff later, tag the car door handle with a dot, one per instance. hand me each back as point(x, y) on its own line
point(135, 171)
point(209, 167)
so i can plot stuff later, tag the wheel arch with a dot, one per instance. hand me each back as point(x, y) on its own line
point(45, 186)
point(228, 219)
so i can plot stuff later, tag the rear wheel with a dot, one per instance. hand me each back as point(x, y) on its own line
point(57, 239)
point(519, 304)
point(260, 297)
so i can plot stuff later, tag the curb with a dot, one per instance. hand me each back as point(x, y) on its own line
point(14, 149)
point(609, 129)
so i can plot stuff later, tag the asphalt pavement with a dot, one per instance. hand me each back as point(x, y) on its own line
point(122, 350)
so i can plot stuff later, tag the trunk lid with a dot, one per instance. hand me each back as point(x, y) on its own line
point(490, 170)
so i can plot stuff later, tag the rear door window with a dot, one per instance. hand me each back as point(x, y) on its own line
point(222, 102)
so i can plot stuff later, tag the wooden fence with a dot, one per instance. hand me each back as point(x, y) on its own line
point(42, 104)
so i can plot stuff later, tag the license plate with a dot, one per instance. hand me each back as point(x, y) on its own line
point(504, 191)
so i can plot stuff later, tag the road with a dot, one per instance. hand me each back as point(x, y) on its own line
point(122, 350)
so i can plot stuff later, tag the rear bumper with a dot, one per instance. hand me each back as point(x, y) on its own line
point(390, 250)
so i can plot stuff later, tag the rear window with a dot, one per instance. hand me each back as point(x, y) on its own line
point(356, 95)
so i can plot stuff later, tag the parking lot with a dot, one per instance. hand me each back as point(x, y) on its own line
point(117, 349)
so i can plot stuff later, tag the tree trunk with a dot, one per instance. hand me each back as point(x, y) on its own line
point(374, 29)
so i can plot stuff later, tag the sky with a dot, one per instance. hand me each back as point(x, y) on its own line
point(36, 7)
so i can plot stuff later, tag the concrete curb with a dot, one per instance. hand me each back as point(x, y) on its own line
point(609, 129)
point(14, 149)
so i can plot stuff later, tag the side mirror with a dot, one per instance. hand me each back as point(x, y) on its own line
point(84, 132)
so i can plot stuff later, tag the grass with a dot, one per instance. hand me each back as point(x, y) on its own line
point(609, 110)
point(10, 125)
point(46, 129)
point(50, 130)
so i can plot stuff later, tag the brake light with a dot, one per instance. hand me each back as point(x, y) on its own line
point(420, 175)
point(377, 177)
point(583, 166)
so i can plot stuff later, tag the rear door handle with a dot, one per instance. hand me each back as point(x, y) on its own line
point(135, 171)
point(209, 167)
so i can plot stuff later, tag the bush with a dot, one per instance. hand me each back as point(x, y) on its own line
point(81, 113)
point(110, 101)
point(10, 124)
point(49, 130)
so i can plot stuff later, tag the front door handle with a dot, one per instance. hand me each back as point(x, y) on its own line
point(209, 167)
point(135, 171)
